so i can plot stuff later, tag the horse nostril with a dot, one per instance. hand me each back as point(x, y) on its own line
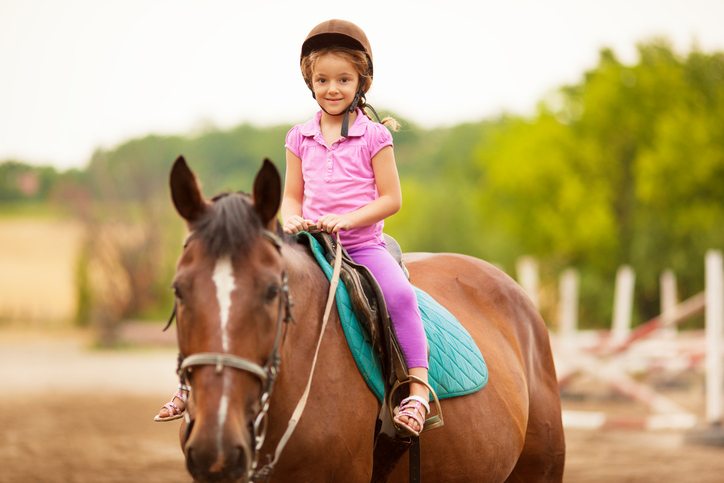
point(190, 460)
point(236, 462)
point(243, 459)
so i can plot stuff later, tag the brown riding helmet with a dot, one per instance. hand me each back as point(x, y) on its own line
point(341, 33)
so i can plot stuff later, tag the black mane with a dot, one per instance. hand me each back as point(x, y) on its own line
point(229, 225)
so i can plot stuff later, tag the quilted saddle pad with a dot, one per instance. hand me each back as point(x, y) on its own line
point(456, 365)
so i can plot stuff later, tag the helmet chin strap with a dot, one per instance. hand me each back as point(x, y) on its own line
point(345, 113)
point(351, 108)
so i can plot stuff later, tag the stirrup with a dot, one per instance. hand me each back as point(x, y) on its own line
point(170, 406)
point(431, 422)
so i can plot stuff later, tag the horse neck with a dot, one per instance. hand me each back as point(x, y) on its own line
point(308, 290)
point(333, 379)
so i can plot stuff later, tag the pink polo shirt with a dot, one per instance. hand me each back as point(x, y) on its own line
point(339, 178)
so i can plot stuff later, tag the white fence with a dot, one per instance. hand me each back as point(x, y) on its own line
point(609, 358)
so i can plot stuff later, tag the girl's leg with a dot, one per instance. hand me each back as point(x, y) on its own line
point(174, 409)
point(404, 312)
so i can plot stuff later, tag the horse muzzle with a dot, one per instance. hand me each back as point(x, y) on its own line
point(217, 454)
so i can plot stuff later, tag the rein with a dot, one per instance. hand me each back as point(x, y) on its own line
point(267, 374)
point(265, 472)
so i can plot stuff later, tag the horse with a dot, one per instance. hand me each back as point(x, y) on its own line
point(249, 305)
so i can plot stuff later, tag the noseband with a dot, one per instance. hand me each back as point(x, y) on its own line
point(266, 374)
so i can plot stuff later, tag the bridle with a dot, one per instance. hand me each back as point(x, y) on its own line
point(267, 373)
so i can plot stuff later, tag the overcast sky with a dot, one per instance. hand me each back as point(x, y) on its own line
point(80, 74)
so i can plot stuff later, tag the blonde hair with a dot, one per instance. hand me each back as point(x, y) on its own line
point(361, 64)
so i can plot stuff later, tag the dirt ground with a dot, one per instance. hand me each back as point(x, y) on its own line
point(69, 413)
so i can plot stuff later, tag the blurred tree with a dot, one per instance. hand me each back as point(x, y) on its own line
point(625, 167)
point(23, 182)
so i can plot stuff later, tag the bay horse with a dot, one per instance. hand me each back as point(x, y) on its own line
point(249, 309)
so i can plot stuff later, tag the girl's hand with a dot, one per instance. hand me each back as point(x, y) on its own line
point(295, 224)
point(333, 223)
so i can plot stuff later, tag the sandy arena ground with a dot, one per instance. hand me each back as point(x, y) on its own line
point(73, 414)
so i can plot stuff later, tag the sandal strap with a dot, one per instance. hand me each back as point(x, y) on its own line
point(419, 399)
point(171, 407)
point(184, 396)
point(411, 414)
point(411, 407)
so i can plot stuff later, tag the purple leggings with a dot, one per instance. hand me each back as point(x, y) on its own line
point(401, 301)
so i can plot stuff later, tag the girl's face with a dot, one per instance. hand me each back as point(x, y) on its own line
point(335, 81)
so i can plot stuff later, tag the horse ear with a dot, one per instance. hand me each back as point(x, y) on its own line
point(267, 192)
point(185, 191)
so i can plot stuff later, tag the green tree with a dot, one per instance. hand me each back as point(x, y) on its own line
point(624, 167)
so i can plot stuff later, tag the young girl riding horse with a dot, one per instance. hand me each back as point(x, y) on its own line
point(341, 176)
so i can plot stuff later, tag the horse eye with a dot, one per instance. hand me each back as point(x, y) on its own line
point(271, 292)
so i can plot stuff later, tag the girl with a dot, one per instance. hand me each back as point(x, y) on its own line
point(341, 176)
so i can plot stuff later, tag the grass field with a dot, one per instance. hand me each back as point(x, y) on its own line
point(38, 258)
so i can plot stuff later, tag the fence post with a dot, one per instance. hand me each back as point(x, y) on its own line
point(622, 304)
point(527, 270)
point(714, 322)
point(568, 307)
point(669, 300)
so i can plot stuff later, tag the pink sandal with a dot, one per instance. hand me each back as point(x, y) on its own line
point(174, 411)
point(412, 407)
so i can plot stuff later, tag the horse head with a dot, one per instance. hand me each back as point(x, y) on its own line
point(231, 303)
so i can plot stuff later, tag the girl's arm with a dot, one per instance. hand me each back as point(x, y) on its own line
point(388, 203)
point(292, 220)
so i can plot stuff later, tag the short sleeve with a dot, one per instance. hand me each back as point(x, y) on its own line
point(293, 141)
point(379, 137)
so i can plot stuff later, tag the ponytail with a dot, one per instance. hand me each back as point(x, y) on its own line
point(389, 122)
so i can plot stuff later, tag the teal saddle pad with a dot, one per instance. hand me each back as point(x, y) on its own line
point(456, 365)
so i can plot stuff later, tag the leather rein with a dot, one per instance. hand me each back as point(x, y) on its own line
point(267, 374)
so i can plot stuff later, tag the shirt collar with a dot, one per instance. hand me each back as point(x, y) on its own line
point(312, 128)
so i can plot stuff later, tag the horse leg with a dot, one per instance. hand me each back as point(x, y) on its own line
point(543, 456)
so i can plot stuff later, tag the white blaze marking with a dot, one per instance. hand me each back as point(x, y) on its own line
point(221, 422)
point(224, 281)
